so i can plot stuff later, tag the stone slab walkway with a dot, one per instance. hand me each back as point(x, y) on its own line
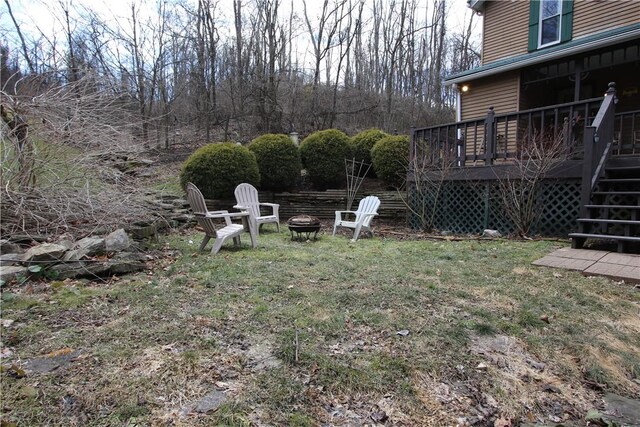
point(595, 263)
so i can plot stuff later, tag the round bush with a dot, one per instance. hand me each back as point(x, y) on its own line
point(364, 141)
point(278, 161)
point(323, 155)
point(390, 157)
point(216, 169)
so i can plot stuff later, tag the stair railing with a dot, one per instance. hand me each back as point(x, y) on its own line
point(598, 140)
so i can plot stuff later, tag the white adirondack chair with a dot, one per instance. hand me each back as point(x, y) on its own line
point(207, 220)
point(247, 200)
point(367, 210)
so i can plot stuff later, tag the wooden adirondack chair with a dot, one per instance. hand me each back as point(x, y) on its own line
point(367, 209)
point(207, 220)
point(247, 200)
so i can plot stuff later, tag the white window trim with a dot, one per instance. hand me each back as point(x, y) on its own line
point(541, 18)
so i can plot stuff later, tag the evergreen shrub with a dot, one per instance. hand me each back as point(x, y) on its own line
point(390, 156)
point(216, 169)
point(363, 142)
point(278, 161)
point(323, 154)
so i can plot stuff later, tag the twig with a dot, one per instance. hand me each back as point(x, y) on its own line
point(297, 347)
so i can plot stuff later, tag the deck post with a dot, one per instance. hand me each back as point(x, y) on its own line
point(412, 155)
point(490, 137)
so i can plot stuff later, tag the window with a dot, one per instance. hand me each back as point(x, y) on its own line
point(550, 23)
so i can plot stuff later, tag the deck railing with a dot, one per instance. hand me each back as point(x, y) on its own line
point(497, 138)
point(598, 143)
point(626, 135)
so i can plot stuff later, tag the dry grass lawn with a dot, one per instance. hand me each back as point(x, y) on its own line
point(389, 330)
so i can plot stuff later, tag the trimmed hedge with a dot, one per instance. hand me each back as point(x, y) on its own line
point(363, 142)
point(278, 161)
point(390, 157)
point(323, 154)
point(216, 169)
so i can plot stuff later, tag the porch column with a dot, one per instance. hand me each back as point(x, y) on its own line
point(578, 82)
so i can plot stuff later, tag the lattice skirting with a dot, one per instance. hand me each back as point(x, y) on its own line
point(465, 207)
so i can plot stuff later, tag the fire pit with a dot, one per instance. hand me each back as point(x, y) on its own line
point(303, 225)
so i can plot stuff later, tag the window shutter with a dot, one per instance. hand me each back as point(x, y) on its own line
point(534, 24)
point(566, 27)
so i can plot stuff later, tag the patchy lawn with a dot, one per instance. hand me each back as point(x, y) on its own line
point(385, 330)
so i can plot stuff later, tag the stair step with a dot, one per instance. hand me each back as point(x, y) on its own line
point(609, 221)
point(605, 237)
point(612, 206)
point(623, 168)
point(619, 180)
point(618, 193)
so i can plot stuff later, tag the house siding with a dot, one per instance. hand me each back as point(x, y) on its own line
point(501, 91)
point(593, 16)
point(505, 24)
point(505, 31)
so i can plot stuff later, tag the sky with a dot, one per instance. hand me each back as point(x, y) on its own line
point(45, 16)
point(35, 15)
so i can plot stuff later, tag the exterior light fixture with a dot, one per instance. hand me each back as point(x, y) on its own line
point(465, 88)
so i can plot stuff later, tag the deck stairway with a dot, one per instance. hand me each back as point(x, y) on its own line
point(613, 212)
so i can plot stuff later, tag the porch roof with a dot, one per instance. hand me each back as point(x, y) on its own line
point(583, 44)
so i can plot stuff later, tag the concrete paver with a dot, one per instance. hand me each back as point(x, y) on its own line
point(595, 263)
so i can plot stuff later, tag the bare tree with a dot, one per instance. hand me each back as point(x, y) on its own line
point(520, 186)
point(322, 33)
point(23, 44)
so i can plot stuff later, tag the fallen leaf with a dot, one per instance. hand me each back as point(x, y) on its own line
point(550, 388)
point(379, 416)
point(502, 422)
point(28, 391)
point(14, 370)
point(403, 332)
point(544, 318)
point(60, 352)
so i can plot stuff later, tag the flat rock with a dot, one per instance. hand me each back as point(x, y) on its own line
point(117, 241)
point(90, 246)
point(69, 270)
point(622, 410)
point(491, 233)
point(68, 244)
point(7, 259)
point(72, 256)
point(45, 364)
point(8, 273)
point(46, 252)
point(126, 262)
point(211, 401)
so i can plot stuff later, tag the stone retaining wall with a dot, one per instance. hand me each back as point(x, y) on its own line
point(322, 204)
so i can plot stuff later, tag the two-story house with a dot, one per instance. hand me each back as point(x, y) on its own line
point(546, 66)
